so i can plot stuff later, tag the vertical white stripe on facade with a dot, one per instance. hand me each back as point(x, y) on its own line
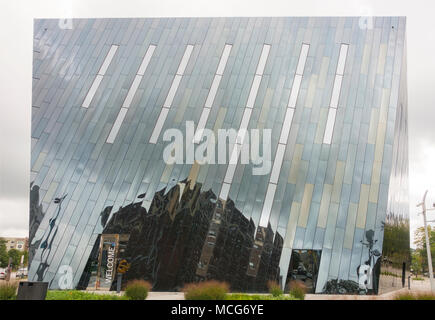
point(333, 105)
point(116, 125)
point(224, 59)
point(146, 60)
point(244, 123)
point(171, 94)
point(327, 138)
point(285, 130)
point(107, 60)
point(263, 59)
point(212, 93)
point(185, 59)
point(92, 91)
point(336, 91)
point(130, 95)
point(286, 125)
point(159, 125)
point(96, 83)
point(342, 59)
point(302, 59)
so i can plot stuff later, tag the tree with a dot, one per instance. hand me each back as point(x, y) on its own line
point(15, 255)
point(420, 243)
point(3, 254)
point(420, 238)
point(417, 262)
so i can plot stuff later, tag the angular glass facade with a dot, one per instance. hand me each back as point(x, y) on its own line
point(331, 208)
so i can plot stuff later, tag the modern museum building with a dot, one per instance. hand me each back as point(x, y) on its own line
point(238, 149)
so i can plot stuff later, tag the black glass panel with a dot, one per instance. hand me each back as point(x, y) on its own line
point(188, 236)
point(304, 266)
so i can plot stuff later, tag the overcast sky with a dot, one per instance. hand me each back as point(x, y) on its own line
point(16, 73)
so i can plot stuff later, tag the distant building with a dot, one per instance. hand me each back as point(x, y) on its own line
point(16, 243)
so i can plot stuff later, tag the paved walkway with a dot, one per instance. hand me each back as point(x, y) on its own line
point(416, 285)
point(152, 295)
point(165, 296)
point(420, 285)
point(387, 296)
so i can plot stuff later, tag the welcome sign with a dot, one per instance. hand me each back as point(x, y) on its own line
point(109, 244)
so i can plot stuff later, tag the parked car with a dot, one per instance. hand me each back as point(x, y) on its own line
point(22, 273)
point(2, 273)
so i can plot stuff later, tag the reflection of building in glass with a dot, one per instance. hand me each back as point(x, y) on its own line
point(304, 266)
point(183, 232)
point(20, 244)
point(333, 95)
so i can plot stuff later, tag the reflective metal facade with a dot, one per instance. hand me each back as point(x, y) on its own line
point(336, 199)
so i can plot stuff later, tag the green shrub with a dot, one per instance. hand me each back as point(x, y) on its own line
point(8, 291)
point(298, 289)
point(274, 288)
point(208, 290)
point(137, 289)
point(418, 278)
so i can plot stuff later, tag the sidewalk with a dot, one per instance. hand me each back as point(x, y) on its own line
point(416, 285)
point(152, 295)
point(387, 296)
point(165, 296)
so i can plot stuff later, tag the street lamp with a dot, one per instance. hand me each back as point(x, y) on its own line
point(429, 257)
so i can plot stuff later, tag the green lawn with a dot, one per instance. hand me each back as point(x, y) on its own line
point(80, 295)
point(83, 295)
